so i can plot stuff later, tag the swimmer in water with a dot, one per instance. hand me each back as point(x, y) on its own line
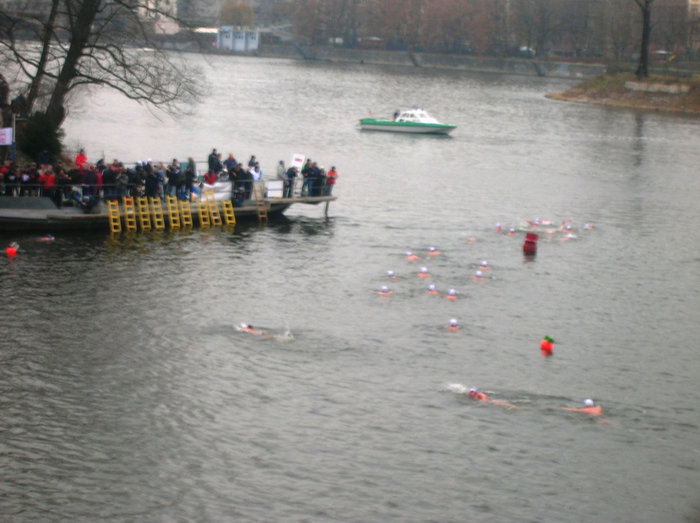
point(452, 326)
point(390, 275)
point(484, 265)
point(511, 232)
point(589, 407)
point(476, 395)
point(478, 276)
point(433, 252)
point(567, 237)
point(412, 257)
point(431, 289)
point(248, 328)
point(480, 396)
point(423, 272)
point(384, 291)
point(451, 294)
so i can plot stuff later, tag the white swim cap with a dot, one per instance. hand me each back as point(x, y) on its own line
point(473, 389)
point(453, 322)
point(408, 253)
point(484, 263)
point(389, 273)
point(451, 292)
point(588, 402)
point(479, 274)
point(568, 227)
point(423, 269)
point(431, 248)
point(431, 287)
point(384, 288)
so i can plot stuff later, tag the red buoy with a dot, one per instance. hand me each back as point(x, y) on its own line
point(546, 346)
point(530, 244)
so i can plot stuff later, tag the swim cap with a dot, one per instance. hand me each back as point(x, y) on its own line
point(473, 389)
point(453, 322)
point(408, 253)
point(511, 229)
point(384, 288)
point(390, 273)
point(484, 263)
point(479, 274)
point(451, 292)
point(588, 402)
point(431, 287)
point(568, 227)
point(431, 249)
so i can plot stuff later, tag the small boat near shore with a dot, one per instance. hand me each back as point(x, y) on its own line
point(412, 121)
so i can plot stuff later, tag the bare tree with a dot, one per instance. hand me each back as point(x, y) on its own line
point(78, 43)
point(643, 66)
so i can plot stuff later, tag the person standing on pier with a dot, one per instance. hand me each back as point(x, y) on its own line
point(331, 177)
point(290, 179)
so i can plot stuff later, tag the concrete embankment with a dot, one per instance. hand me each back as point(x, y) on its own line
point(528, 67)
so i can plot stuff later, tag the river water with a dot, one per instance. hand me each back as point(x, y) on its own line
point(127, 394)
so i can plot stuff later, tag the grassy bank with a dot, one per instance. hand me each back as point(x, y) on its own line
point(623, 90)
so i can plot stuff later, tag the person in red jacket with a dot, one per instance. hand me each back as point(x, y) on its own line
point(210, 178)
point(80, 159)
point(48, 182)
point(331, 177)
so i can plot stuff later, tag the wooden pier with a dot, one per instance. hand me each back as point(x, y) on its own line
point(40, 214)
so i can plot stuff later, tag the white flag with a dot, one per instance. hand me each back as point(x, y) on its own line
point(297, 161)
point(6, 136)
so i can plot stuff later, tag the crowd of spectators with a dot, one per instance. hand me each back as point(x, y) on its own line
point(81, 179)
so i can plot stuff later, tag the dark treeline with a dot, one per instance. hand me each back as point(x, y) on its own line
point(600, 29)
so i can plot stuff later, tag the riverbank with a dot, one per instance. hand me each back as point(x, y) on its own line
point(517, 66)
point(658, 93)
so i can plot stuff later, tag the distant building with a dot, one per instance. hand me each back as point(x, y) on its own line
point(161, 14)
point(237, 39)
point(694, 24)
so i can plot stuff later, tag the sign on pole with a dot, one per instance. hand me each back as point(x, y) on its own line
point(297, 161)
point(6, 136)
